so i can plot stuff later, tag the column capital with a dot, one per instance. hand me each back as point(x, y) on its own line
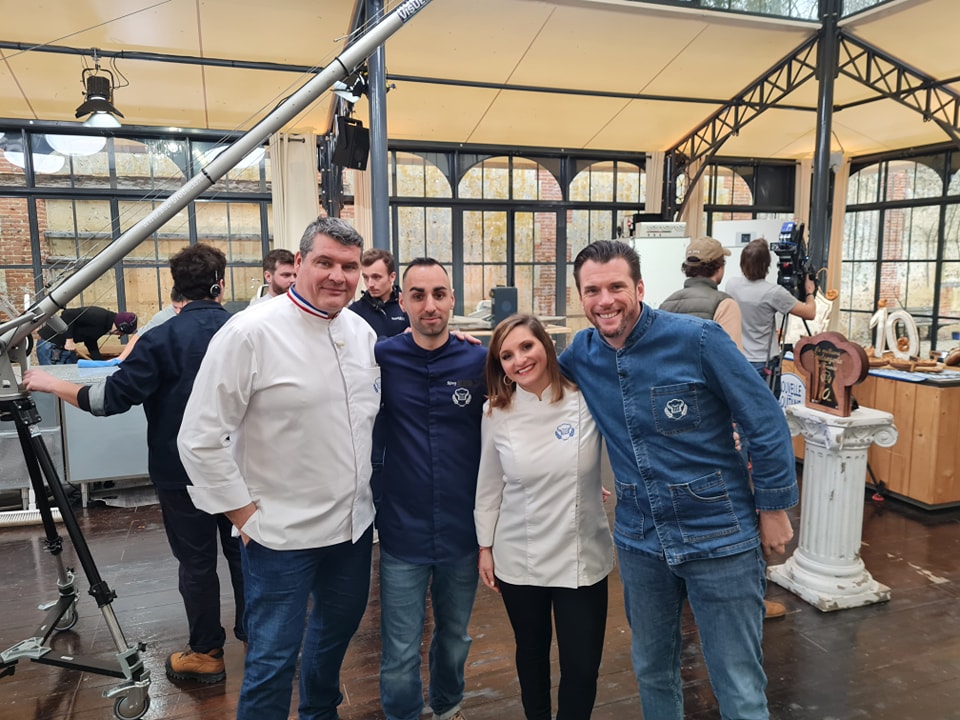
point(861, 429)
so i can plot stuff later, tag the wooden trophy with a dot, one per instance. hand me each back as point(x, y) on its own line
point(830, 365)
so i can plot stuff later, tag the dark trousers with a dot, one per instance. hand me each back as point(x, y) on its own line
point(193, 536)
point(580, 615)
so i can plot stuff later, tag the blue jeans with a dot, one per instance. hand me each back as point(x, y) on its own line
point(726, 596)
point(403, 607)
point(277, 585)
point(50, 354)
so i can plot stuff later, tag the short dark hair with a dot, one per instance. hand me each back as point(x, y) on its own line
point(331, 227)
point(499, 391)
point(196, 269)
point(370, 256)
point(176, 295)
point(423, 262)
point(277, 256)
point(603, 251)
point(755, 259)
point(702, 269)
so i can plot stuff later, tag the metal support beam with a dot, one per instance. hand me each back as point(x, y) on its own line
point(894, 79)
point(377, 95)
point(827, 61)
point(765, 92)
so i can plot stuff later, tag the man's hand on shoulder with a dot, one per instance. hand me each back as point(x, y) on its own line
point(465, 337)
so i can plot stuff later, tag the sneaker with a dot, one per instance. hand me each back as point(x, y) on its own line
point(456, 716)
point(773, 609)
point(203, 667)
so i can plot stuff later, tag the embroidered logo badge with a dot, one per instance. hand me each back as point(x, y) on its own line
point(675, 409)
point(376, 386)
point(565, 431)
point(462, 397)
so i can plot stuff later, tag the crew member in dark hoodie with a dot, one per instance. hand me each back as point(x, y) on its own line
point(380, 303)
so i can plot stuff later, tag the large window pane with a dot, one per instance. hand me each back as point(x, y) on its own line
point(16, 280)
point(631, 184)
point(856, 326)
point(169, 238)
point(526, 179)
point(911, 233)
point(489, 180)
point(951, 233)
point(86, 161)
point(72, 231)
point(411, 232)
point(909, 179)
point(950, 291)
point(858, 285)
point(864, 185)
point(151, 165)
point(860, 233)
point(417, 177)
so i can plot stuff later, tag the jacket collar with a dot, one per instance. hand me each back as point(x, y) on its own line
point(690, 282)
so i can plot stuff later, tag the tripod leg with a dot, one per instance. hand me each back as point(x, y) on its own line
point(25, 411)
point(132, 699)
point(62, 612)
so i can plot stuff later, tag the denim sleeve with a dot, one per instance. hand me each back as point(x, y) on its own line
point(759, 417)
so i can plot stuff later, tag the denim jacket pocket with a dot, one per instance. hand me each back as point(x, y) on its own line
point(629, 518)
point(675, 408)
point(703, 509)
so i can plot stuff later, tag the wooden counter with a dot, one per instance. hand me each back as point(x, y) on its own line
point(923, 467)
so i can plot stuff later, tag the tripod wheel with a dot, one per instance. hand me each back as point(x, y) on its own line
point(68, 620)
point(129, 707)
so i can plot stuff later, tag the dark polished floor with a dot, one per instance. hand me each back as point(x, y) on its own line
point(895, 661)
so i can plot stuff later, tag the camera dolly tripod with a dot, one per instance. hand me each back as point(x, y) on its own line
point(793, 269)
point(131, 696)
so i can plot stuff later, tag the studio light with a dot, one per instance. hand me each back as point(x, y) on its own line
point(44, 161)
point(353, 88)
point(98, 87)
point(77, 144)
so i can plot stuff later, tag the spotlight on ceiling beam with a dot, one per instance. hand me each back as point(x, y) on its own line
point(98, 87)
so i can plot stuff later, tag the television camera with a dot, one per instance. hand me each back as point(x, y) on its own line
point(793, 263)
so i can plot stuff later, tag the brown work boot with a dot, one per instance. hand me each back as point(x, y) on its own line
point(203, 667)
point(773, 609)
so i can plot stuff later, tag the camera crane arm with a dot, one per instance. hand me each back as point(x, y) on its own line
point(15, 333)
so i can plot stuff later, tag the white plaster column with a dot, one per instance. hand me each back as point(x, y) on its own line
point(826, 569)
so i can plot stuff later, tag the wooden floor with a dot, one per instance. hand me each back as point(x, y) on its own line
point(896, 661)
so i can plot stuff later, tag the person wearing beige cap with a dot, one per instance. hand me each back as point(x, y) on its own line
point(703, 265)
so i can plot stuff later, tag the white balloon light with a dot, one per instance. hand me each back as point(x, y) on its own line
point(77, 144)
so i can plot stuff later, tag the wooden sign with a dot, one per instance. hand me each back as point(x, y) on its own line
point(830, 365)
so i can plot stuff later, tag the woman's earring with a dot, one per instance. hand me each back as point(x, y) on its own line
point(507, 382)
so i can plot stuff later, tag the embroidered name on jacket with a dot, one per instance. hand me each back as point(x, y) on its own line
point(675, 409)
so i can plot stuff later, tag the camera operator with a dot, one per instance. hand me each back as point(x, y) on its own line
point(760, 301)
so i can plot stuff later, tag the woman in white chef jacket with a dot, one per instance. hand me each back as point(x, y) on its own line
point(545, 543)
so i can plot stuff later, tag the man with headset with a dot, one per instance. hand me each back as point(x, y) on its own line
point(159, 374)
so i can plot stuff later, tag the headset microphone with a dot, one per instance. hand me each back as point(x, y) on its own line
point(215, 289)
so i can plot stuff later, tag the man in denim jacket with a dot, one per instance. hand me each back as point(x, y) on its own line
point(664, 390)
